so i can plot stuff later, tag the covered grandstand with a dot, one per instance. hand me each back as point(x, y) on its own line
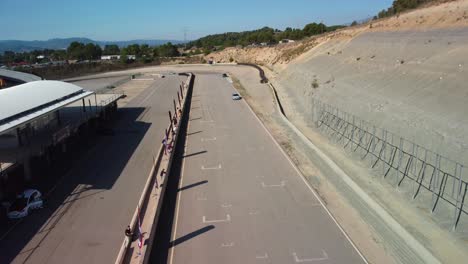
point(37, 121)
point(11, 78)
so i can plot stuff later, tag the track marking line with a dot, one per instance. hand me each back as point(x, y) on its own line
point(228, 219)
point(305, 181)
point(150, 94)
point(202, 199)
point(179, 194)
point(208, 139)
point(298, 260)
point(226, 205)
point(227, 244)
point(254, 212)
point(282, 184)
point(262, 257)
point(211, 168)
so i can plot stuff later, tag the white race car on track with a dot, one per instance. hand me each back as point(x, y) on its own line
point(28, 200)
point(236, 96)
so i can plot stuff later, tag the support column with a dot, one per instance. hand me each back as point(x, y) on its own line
point(27, 169)
point(18, 135)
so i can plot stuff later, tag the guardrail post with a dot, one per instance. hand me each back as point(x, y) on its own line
point(400, 157)
point(435, 182)
point(457, 211)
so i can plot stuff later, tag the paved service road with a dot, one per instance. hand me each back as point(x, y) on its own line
point(240, 199)
point(84, 218)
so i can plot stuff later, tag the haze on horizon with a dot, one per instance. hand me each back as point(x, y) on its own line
point(146, 19)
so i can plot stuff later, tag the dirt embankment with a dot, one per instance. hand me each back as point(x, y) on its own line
point(406, 74)
point(447, 14)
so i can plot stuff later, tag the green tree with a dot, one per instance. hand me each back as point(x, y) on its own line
point(111, 50)
point(314, 29)
point(76, 50)
point(123, 55)
point(134, 49)
point(92, 52)
point(168, 50)
point(146, 51)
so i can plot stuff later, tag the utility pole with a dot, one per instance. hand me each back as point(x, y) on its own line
point(185, 29)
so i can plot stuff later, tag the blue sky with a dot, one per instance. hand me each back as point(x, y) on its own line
point(157, 19)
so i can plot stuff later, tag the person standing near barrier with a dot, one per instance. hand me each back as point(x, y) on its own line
point(164, 142)
point(174, 130)
point(162, 174)
point(128, 232)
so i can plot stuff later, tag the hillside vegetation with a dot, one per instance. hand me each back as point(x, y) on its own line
point(263, 35)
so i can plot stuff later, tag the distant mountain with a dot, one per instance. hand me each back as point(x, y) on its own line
point(63, 43)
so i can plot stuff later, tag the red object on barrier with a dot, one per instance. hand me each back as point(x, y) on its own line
point(140, 233)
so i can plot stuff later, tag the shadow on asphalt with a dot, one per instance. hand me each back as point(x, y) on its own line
point(189, 236)
point(194, 133)
point(193, 185)
point(91, 163)
point(195, 153)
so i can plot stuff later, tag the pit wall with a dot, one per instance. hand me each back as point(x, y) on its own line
point(148, 209)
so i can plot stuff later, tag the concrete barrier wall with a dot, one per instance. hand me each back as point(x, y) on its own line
point(150, 208)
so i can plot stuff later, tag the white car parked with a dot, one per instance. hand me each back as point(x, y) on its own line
point(28, 200)
point(236, 96)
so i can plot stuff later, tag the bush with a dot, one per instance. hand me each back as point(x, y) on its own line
point(231, 59)
point(315, 84)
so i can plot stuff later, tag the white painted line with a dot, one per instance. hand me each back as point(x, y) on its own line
point(298, 260)
point(149, 95)
point(208, 139)
point(226, 205)
point(304, 180)
point(282, 184)
point(143, 79)
point(254, 212)
point(202, 199)
point(179, 194)
point(262, 257)
point(211, 168)
point(228, 219)
point(227, 244)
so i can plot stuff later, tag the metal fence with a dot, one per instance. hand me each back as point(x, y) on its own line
point(400, 161)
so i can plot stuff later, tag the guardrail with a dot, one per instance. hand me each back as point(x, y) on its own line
point(399, 158)
point(123, 255)
point(263, 78)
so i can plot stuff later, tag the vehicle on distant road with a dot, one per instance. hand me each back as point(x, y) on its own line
point(236, 96)
point(28, 200)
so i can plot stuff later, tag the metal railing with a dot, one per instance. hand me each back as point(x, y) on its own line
point(401, 161)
